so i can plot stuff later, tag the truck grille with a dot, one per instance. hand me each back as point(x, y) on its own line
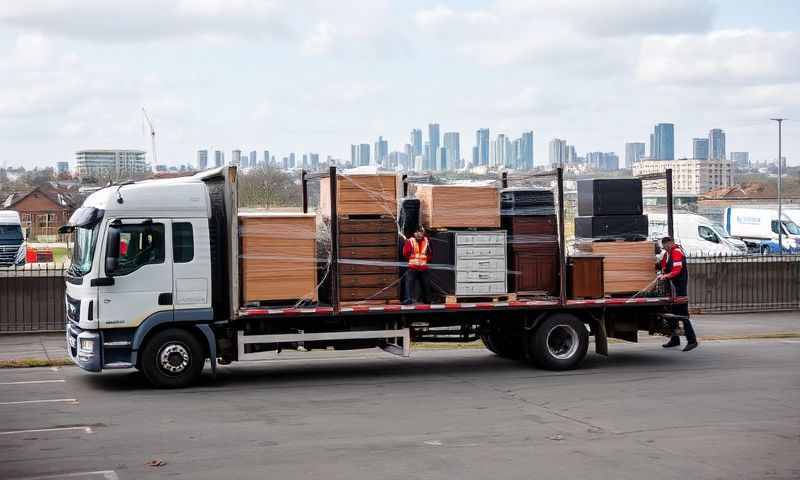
point(8, 254)
point(73, 309)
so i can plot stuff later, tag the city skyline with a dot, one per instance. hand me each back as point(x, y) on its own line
point(353, 79)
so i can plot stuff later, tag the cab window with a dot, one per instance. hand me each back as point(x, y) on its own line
point(707, 234)
point(775, 227)
point(139, 245)
point(182, 242)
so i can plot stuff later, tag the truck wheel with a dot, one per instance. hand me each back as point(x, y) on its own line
point(503, 345)
point(559, 343)
point(172, 358)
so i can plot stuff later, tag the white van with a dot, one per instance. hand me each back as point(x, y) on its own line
point(12, 241)
point(758, 228)
point(696, 234)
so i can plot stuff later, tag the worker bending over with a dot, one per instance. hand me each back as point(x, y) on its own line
point(417, 250)
point(675, 270)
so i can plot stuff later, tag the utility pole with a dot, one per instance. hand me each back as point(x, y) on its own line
point(780, 184)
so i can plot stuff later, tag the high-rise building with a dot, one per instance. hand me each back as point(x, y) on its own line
point(219, 158)
point(634, 151)
point(716, 144)
point(482, 142)
point(498, 154)
point(202, 159)
point(253, 159)
point(558, 152)
point(452, 146)
point(690, 175)
point(435, 140)
point(606, 161)
point(381, 151)
point(415, 140)
point(572, 157)
point(652, 146)
point(62, 168)
point(353, 155)
point(740, 160)
point(526, 151)
point(236, 157)
point(267, 159)
point(408, 150)
point(111, 164)
point(664, 142)
point(292, 160)
point(362, 155)
point(475, 156)
point(429, 157)
point(313, 159)
point(700, 148)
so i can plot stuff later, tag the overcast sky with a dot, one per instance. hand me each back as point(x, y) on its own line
point(319, 75)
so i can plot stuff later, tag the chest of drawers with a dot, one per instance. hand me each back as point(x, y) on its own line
point(469, 263)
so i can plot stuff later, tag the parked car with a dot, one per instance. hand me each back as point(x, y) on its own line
point(12, 240)
point(696, 234)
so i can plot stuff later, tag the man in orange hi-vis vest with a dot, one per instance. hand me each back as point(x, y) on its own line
point(417, 250)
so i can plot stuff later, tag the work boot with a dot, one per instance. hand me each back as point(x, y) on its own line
point(673, 342)
point(690, 346)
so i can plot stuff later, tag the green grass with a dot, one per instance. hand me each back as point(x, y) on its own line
point(35, 362)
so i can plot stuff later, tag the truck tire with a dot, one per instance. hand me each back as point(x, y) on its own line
point(560, 342)
point(502, 344)
point(172, 358)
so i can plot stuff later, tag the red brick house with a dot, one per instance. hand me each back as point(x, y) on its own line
point(42, 210)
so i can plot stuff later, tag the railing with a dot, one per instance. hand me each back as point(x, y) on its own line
point(32, 298)
point(744, 283)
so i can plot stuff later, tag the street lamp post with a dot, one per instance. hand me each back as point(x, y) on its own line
point(780, 185)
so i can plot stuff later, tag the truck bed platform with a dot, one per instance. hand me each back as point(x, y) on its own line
point(258, 312)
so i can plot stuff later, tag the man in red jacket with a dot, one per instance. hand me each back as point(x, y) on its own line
point(417, 250)
point(675, 270)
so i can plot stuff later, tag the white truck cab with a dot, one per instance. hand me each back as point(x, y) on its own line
point(12, 239)
point(759, 227)
point(141, 258)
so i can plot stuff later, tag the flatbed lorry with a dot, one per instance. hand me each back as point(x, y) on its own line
point(171, 301)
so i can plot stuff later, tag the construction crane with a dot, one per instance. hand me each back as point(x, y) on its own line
point(152, 136)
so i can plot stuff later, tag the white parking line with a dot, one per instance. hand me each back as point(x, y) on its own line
point(105, 474)
point(52, 400)
point(29, 382)
point(86, 429)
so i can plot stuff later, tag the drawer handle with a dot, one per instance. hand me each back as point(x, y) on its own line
point(483, 262)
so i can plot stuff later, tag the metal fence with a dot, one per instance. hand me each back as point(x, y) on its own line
point(32, 298)
point(748, 283)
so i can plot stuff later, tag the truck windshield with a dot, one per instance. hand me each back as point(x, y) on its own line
point(791, 228)
point(10, 233)
point(720, 230)
point(83, 250)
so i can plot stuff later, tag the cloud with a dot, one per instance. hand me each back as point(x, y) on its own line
point(145, 20)
point(321, 39)
point(745, 57)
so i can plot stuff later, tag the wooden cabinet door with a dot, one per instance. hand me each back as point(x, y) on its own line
point(534, 272)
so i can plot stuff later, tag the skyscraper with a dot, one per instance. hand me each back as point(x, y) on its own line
point(353, 155)
point(664, 142)
point(700, 148)
point(740, 159)
point(314, 161)
point(482, 143)
point(498, 154)
point(381, 151)
point(202, 159)
point(558, 152)
point(634, 151)
point(526, 151)
point(362, 155)
point(433, 137)
point(292, 160)
point(716, 144)
point(219, 158)
point(416, 142)
point(607, 161)
point(429, 160)
point(267, 160)
point(253, 159)
point(452, 146)
point(236, 157)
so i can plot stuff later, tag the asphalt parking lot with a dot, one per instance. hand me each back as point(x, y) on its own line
point(727, 410)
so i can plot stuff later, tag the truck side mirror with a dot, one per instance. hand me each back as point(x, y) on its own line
point(112, 249)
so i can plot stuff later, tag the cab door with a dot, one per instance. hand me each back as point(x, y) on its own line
point(138, 272)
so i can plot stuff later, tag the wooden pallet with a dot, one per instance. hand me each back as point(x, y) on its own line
point(369, 302)
point(510, 297)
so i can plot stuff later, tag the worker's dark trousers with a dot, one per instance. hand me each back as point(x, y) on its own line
point(680, 289)
point(414, 277)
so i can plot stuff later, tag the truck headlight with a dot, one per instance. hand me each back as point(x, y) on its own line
point(87, 344)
